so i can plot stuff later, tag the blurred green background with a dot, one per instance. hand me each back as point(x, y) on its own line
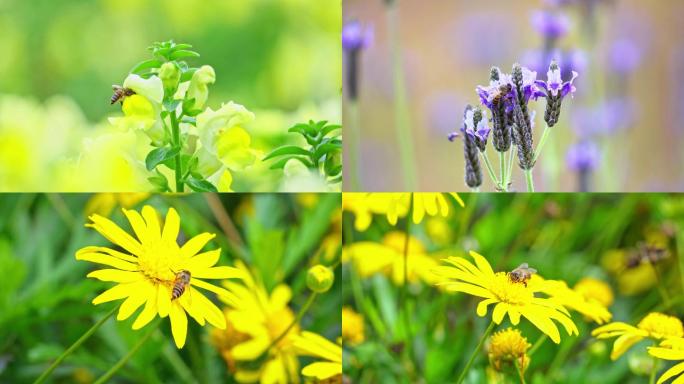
point(267, 54)
point(45, 297)
point(564, 236)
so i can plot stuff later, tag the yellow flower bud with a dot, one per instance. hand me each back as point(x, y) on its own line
point(170, 76)
point(199, 90)
point(319, 278)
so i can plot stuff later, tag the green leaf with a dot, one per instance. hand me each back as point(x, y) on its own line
point(304, 129)
point(287, 150)
point(281, 163)
point(183, 53)
point(200, 185)
point(159, 182)
point(145, 65)
point(182, 46)
point(189, 120)
point(171, 105)
point(330, 128)
point(187, 75)
point(324, 149)
point(159, 155)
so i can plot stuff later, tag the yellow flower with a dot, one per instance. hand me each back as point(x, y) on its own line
point(512, 298)
point(353, 328)
point(674, 352)
point(363, 208)
point(104, 203)
point(257, 319)
point(146, 271)
point(594, 289)
point(370, 258)
point(562, 294)
point(655, 325)
point(320, 278)
point(311, 344)
point(432, 204)
point(508, 346)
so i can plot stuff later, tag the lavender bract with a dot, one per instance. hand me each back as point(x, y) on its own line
point(473, 170)
point(498, 97)
point(476, 127)
point(555, 90)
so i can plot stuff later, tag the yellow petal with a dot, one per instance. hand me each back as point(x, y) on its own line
point(622, 344)
point(514, 315)
point(418, 210)
point(482, 306)
point(202, 261)
point(613, 327)
point(499, 312)
point(542, 322)
point(194, 245)
point(141, 292)
point(171, 226)
point(666, 353)
point(116, 275)
point(179, 324)
point(209, 311)
point(152, 220)
point(106, 260)
point(211, 287)
point(430, 201)
point(313, 344)
point(163, 300)
point(118, 291)
point(458, 199)
point(110, 252)
point(252, 348)
point(482, 263)
point(218, 273)
point(674, 371)
point(322, 370)
point(148, 312)
point(138, 224)
point(115, 234)
point(193, 308)
point(469, 289)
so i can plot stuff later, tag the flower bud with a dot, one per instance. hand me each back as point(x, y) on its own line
point(319, 279)
point(199, 90)
point(170, 76)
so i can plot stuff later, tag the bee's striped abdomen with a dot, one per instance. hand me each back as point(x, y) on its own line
point(178, 290)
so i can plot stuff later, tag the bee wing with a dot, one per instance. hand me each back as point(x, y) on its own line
point(522, 266)
point(532, 270)
point(116, 87)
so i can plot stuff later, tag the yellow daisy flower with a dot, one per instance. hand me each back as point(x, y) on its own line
point(146, 271)
point(675, 351)
point(311, 344)
point(387, 257)
point(561, 293)
point(508, 346)
point(594, 289)
point(353, 327)
point(514, 299)
point(256, 319)
point(432, 204)
point(363, 206)
point(655, 326)
point(104, 203)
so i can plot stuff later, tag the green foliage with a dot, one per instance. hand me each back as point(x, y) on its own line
point(323, 153)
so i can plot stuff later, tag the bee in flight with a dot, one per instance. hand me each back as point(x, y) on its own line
point(521, 274)
point(646, 254)
point(120, 93)
point(179, 283)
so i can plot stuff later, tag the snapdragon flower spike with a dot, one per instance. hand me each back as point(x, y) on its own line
point(477, 127)
point(555, 90)
point(524, 88)
point(355, 38)
point(473, 171)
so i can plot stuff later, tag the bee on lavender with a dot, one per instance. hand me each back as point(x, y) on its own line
point(120, 93)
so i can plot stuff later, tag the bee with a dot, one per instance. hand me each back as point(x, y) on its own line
point(646, 253)
point(180, 282)
point(120, 93)
point(521, 274)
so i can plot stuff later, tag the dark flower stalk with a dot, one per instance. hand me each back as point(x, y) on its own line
point(523, 124)
point(473, 171)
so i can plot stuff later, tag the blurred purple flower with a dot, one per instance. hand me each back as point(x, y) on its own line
point(550, 24)
point(607, 118)
point(583, 156)
point(355, 36)
point(625, 56)
point(452, 136)
point(573, 60)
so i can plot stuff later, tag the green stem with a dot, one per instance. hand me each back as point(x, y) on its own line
point(75, 345)
point(474, 190)
point(475, 352)
point(509, 173)
point(542, 141)
point(529, 180)
point(175, 130)
point(654, 370)
point(296, 320)
point(502, 171)
point(402, 307)
point(490, 169)
point(401, 123)
point(537, 344)
point(354, 126)
point(104, 378)
point(520, 371)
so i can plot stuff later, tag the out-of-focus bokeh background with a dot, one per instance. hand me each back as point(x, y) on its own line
point(281, 59)
point(45, 297)
point(628, 98)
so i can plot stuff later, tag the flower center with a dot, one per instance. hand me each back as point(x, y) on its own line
point(508, 344)
point(661, 326)
point(156, 261)
point(277, 323)
point(509, 292)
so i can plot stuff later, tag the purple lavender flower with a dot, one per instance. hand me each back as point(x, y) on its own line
point(473, 171)
point(551, 25)
point(356, 37)
point(555, 91)
point(452, 136)
point(583, 158)
point(476, 127)
point(625, 56)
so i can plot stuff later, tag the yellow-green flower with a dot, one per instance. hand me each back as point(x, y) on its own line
point(199, 86)
point(508, 346)
point(353, 328)
point(514, 299)
point(257, 319)
point(656, 326)
point(146, 270)
point(222, 135)
point(141, 110)
point(670, 349)
point(311, 344)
